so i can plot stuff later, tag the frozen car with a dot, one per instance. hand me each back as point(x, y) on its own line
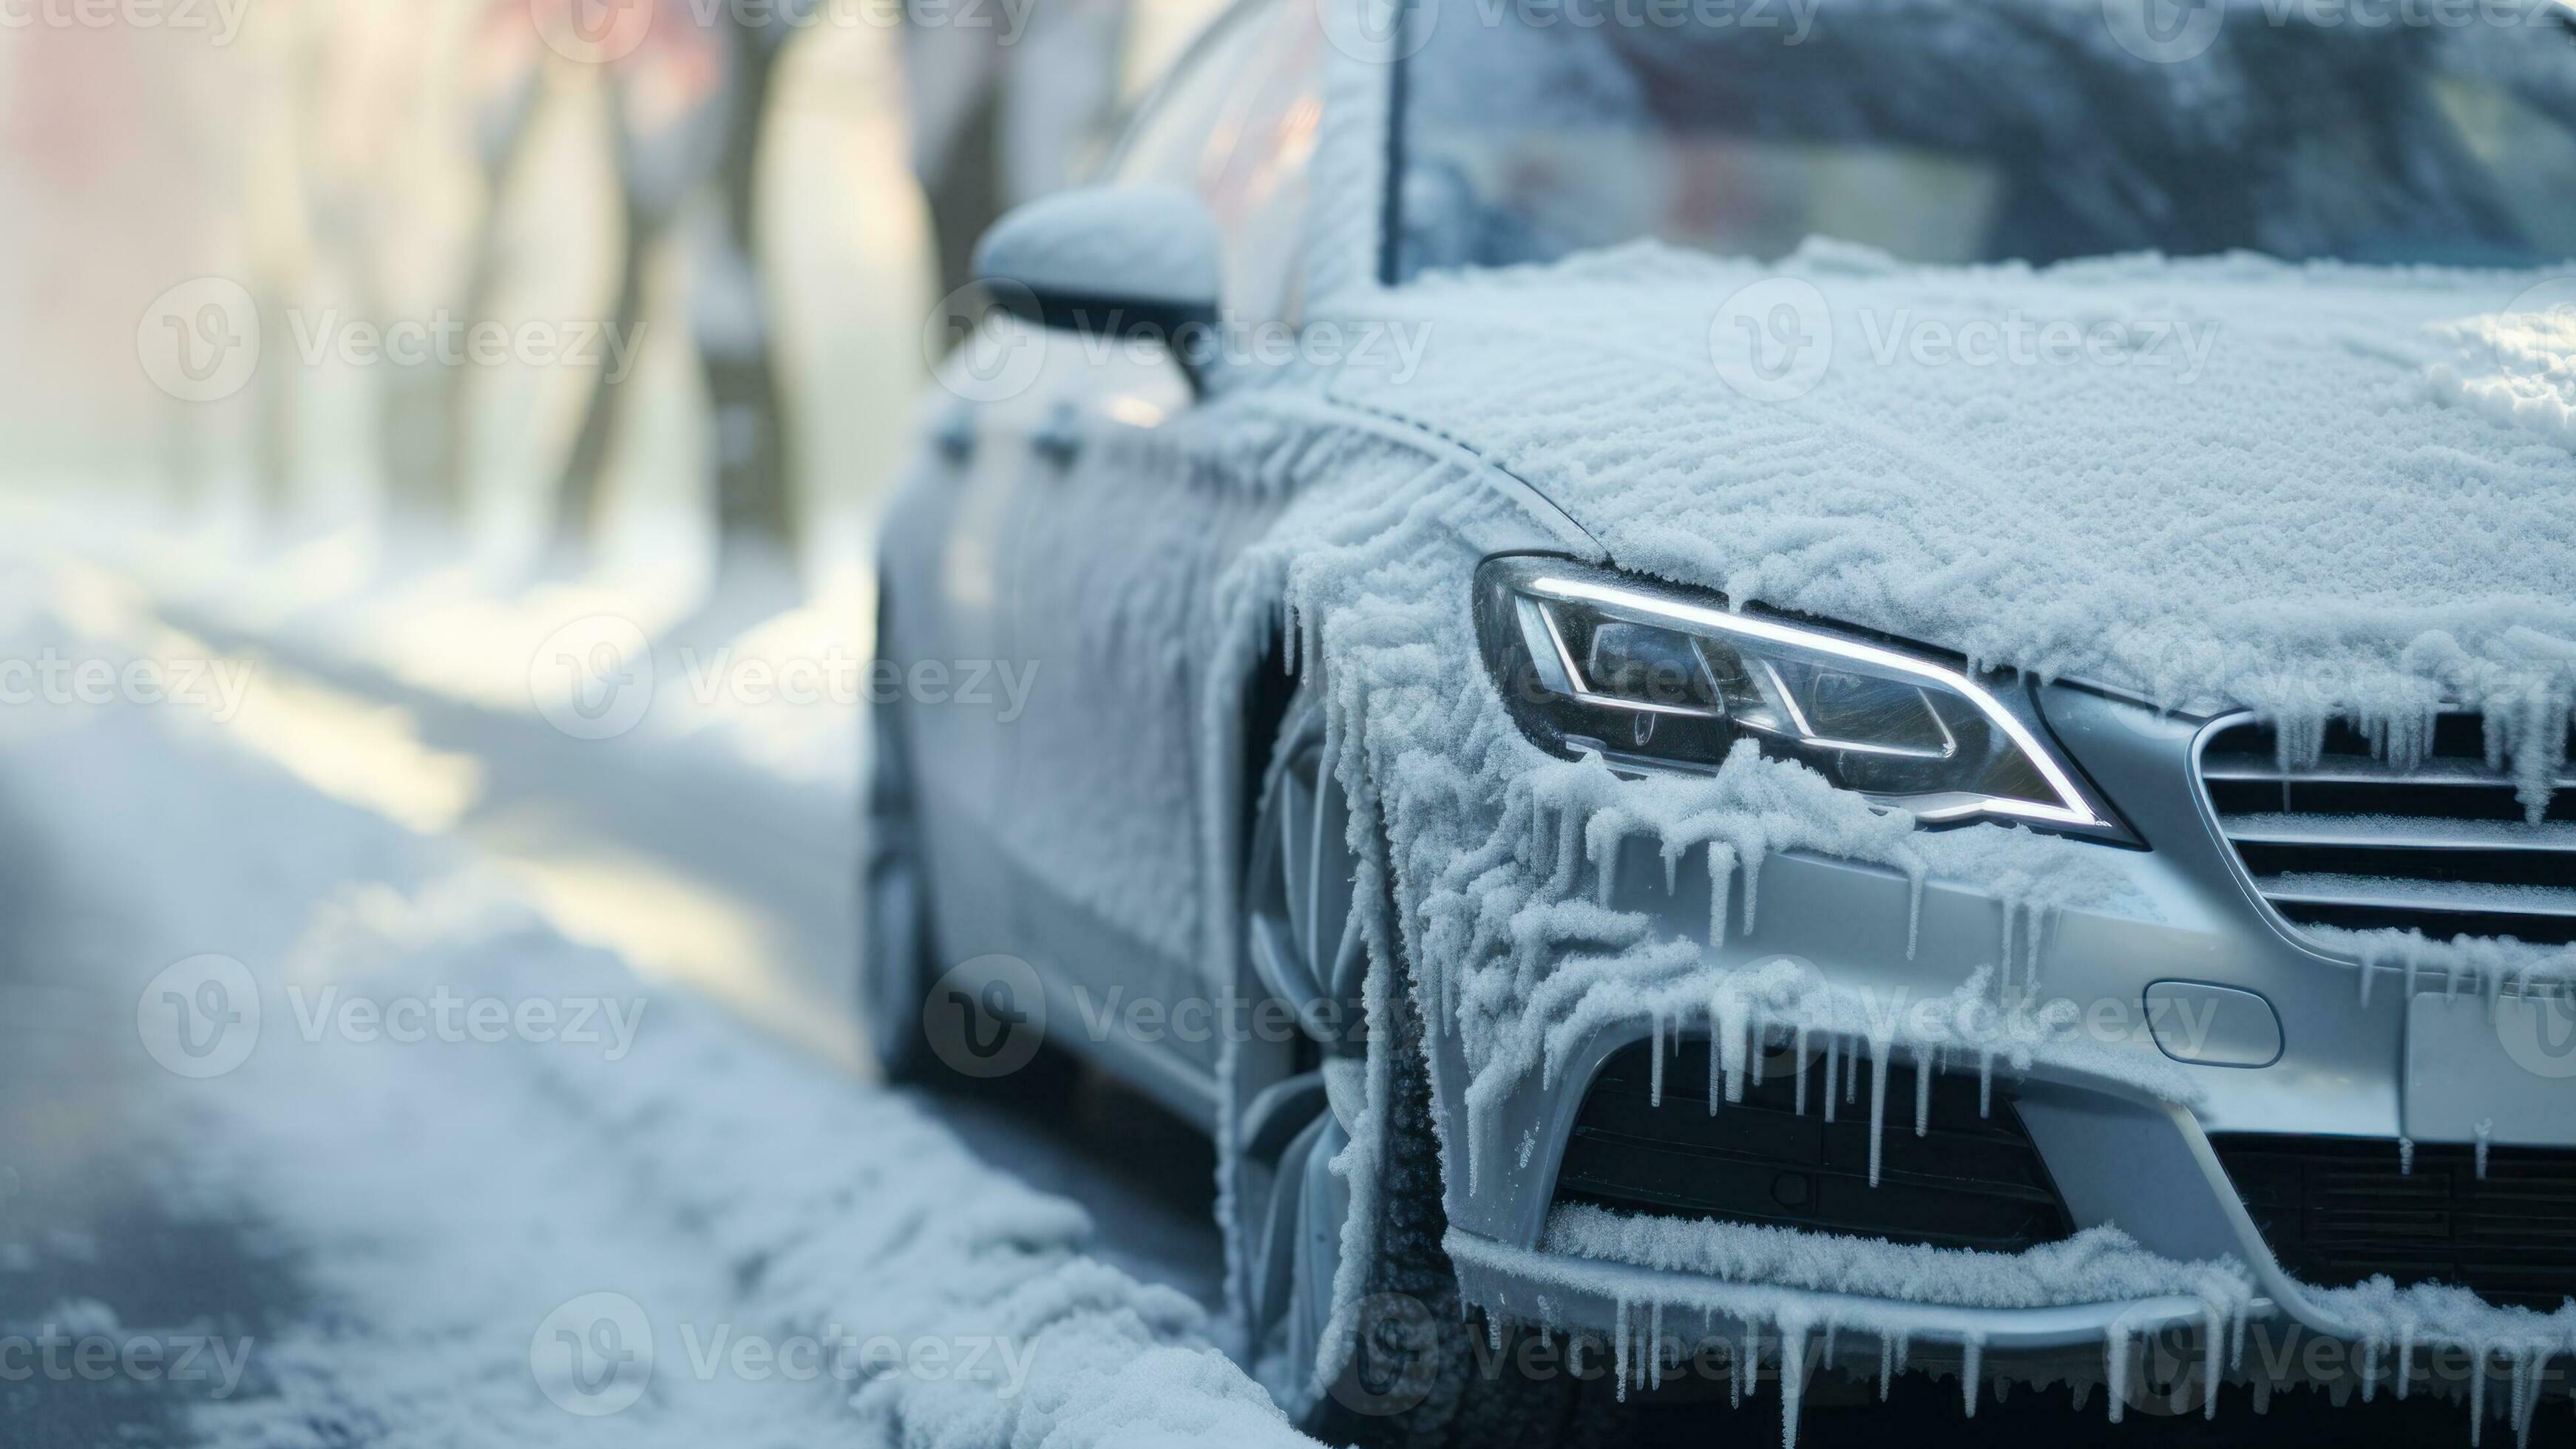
point(1884, 686)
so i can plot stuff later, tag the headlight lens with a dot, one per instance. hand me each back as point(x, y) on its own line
point(1590, 661)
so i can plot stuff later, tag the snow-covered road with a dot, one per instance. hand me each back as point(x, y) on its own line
point(408, 1120)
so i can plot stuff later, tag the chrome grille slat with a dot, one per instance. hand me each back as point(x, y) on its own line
point(2390, 832)
point(2390, 894)
point(2445, 847)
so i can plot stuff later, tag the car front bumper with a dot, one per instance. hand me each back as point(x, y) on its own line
point(2119, 1154)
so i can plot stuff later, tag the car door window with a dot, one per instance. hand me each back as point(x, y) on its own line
point(1237, 125)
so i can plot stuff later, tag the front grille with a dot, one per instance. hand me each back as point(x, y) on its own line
point(2337, 1210)
point(2443, 847)
point(1972, 1182)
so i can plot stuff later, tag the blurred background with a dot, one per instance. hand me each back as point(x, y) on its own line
point(446, 363)
point(709, 233)
point(455, 427)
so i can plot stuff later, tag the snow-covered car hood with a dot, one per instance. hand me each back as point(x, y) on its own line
point(2317, 490)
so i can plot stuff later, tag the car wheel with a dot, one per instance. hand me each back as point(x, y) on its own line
point(1298, 1087)
point(894, 910)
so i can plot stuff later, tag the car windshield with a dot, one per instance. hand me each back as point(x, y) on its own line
point(1961, 131)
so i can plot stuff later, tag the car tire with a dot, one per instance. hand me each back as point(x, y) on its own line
point(895, 932)
point(1415, 1376)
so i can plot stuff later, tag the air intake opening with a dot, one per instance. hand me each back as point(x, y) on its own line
point(1972, 1181)
point(2336, 1210)
point(2444, 848)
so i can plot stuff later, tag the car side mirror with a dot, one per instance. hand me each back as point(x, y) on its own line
point(1112, 262)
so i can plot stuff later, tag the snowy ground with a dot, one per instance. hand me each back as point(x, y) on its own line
point(651, 1193)
point(591, 1181)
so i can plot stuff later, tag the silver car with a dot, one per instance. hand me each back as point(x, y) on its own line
point(1453, 598)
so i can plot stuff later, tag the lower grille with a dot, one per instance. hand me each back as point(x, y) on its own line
point(2444, 846)
point(2336, 1210)
point(1972, 1182)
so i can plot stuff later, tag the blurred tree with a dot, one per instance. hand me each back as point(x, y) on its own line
point(691, 103)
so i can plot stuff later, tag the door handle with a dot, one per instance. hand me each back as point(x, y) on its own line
point(1059, 438)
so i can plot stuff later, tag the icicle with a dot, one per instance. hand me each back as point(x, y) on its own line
point(1913, 911)
point(2038, 932)
point(1752, 1359)
point(2236, 1333)
point(2521, 1394)
point(2081, 1393)
point(2486, 1131)
point(2004, 959)
point(1793, 1381)
point(2211, 1346)
point(1971, 1371)
point(1851, 1077)
point(1734, 1380)
point(1752, 885)
point(2368, 970)
point(1619, 1350)
point(1569, 852)
point(1655, 1347)
point(1879, 1052)
point(1833, 1065)
point(1798, 1049)
point(1655, 1074)
point(1985, 1083)
point(1721, 872)
point(1760, 1033)
point(2477, 1394)
point(1886, 1364)
point(1672, 872)
point(2262, 1393)
point(1713, 1020)
point(1832, 1331)
point(1925, 1064)
point(1904, 1346)
point(2370, 1368)
point(1494, 1331)
point(2115, 1359)
point(2405, 1357)
point(2405, 1157)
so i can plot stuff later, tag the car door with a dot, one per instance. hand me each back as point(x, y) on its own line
point(1116, 562)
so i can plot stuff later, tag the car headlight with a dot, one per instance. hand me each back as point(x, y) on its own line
point(1651, 677)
